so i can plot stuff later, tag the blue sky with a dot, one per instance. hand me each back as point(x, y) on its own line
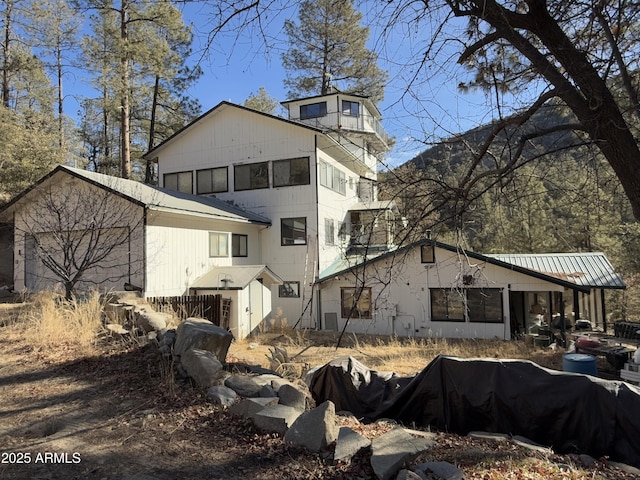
point(236, 67)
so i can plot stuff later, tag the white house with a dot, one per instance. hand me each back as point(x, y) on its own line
point(312, 174)
point(271, 213)
point(431, 289)
point(163, 242)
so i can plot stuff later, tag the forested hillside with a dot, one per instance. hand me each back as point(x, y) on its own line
point(564, 198)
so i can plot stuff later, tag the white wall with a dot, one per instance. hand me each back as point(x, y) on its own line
point(178, 250)
point(400, 291)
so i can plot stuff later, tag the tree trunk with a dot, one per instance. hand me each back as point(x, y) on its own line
point(125, 100)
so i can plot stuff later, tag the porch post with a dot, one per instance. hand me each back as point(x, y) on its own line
point(604, 311)
point(576, 304)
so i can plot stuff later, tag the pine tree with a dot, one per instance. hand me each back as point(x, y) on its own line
point(262, 102)
point(328, 48)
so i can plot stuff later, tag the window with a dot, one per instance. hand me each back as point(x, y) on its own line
point(294, 171)
point(293, 231)
point(342, 231)
point(313, 110)
point(239, 245)
point(427, 253)
point(329, 231)
point(355, 302)
point(179, 181)
point(447, 305)
point(350, 108)
point(251, 176)
point(218, 244)
point(289, 290)
point(212, 180)
point(333, 178)
point(485, 305)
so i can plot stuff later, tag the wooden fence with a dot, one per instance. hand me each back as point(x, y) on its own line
point(211, 307)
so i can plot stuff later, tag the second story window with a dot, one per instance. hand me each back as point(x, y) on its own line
point(239, 245)
point(294, 171)
point(313, 110)
point(179, 181)
point(333, 178)
point(350, 108)
point(212, 180)
point(251, 176)
point(293, 231)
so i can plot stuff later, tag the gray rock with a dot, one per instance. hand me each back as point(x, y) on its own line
point(625, 468)
point(586, 460)
point(408, 475)
point(275, 418)
point(203, 335)
point(314, 429)
point(291, 396)
point(203, 367)
point(531, 445)
point(267, 391)
point(391, 450)
point(250, 406)
point(442, 470)
point(349, 443)
point(221, 395)
point(148, 320)
point(496, 437)
point(244, 385)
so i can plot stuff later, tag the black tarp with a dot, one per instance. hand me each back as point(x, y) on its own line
point(568, 412)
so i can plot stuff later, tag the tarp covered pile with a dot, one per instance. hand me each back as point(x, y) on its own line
point(568, 412)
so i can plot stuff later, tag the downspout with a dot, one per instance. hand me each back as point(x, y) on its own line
point(316, 286)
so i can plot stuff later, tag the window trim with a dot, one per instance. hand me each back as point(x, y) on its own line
point(282, 227)
point(466, 314)
point(220, 235)
point(250, 166)
point(177, 174)
point(306, 181)
point(238, 237)
point(211, 170)
point(295, 290)
point(350, 311)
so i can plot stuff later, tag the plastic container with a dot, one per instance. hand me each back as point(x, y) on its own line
point(580, 363)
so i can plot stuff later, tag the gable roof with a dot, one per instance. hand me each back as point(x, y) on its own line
point(152, 197)
point(237, 276)
point(217, 109)
point(602, 274)
point(589, 269)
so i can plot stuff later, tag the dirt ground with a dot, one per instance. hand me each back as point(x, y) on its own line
point(117, 412)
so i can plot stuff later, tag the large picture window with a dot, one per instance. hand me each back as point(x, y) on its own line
point(179, 181)
point(218, 244)
point(355, 302)
point(294, 171)
point(485, 305)
point(239, 245)
point(447, 305)
point(293, 231)
point(251, 176)
point(313, 110)
point(212, 180)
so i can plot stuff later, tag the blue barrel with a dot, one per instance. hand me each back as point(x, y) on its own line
point(579, 363)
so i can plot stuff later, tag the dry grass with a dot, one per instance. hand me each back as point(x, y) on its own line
point(404, 356)
point(47, 321)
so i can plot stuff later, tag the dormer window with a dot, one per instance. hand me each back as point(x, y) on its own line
point(313, 110)
point(350, 108)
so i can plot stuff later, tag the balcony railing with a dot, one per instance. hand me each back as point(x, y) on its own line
point(363, 123)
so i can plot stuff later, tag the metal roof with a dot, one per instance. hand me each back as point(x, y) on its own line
point(156, 198)
point(589, 269)
point(235, 277)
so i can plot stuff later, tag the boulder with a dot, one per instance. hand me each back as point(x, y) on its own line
point(349, 443)
point(293, 397)
point(275, 418)
point(203, 335)
point(248, 407)
point(221, 395)
point(203, 367)
point(391, 450)
point(149, 320)
point(314, 429)
point(244, 385)
point(441, 470)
